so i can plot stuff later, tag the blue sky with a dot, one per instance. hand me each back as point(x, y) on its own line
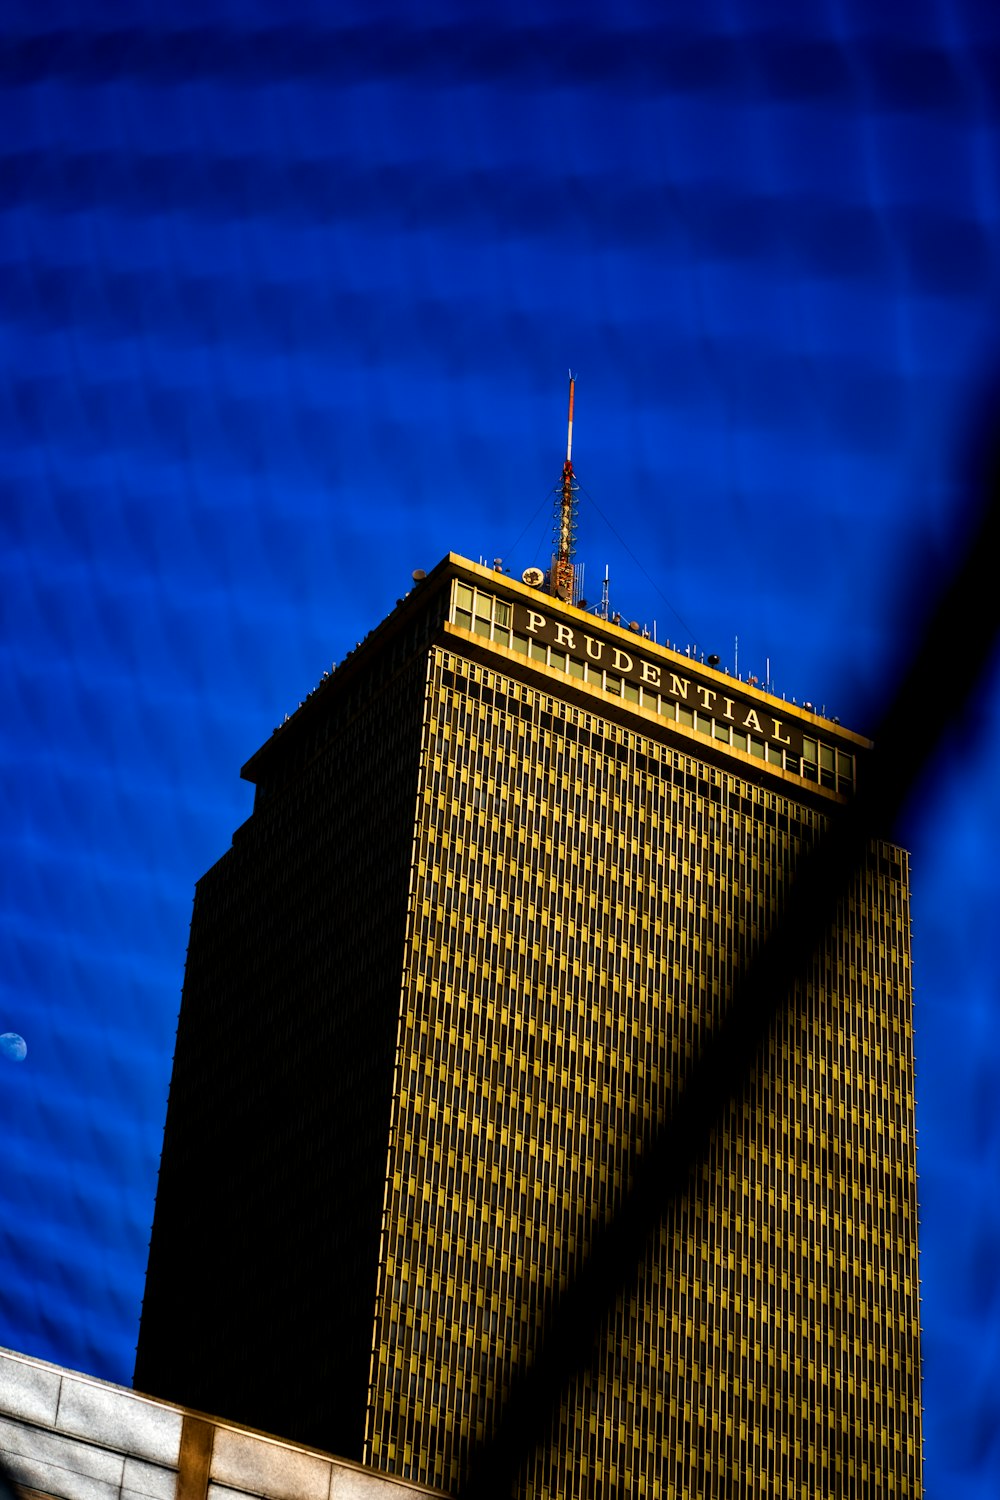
point(287, 302)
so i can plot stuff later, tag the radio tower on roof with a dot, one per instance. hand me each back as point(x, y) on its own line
point(563, 581)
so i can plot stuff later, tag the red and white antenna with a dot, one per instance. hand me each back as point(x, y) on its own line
point(562, 575)
point(569, 425)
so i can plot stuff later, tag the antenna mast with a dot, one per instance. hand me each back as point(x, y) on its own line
point(604, 607)
point(562, 574)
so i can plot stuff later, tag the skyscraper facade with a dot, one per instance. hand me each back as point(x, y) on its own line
point(504, 868)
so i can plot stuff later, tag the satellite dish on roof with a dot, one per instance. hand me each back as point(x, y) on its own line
point(533, 577)
point(418, 575)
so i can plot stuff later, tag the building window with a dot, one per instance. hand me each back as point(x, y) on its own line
point(845, 772)
point(826, 765)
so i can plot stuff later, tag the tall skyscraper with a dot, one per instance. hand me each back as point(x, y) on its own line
point(503, 868)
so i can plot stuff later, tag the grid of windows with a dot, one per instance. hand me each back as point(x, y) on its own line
point(581, 895)
point(284, 1052)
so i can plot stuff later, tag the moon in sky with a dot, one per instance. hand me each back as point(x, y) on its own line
point(13, 1046)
